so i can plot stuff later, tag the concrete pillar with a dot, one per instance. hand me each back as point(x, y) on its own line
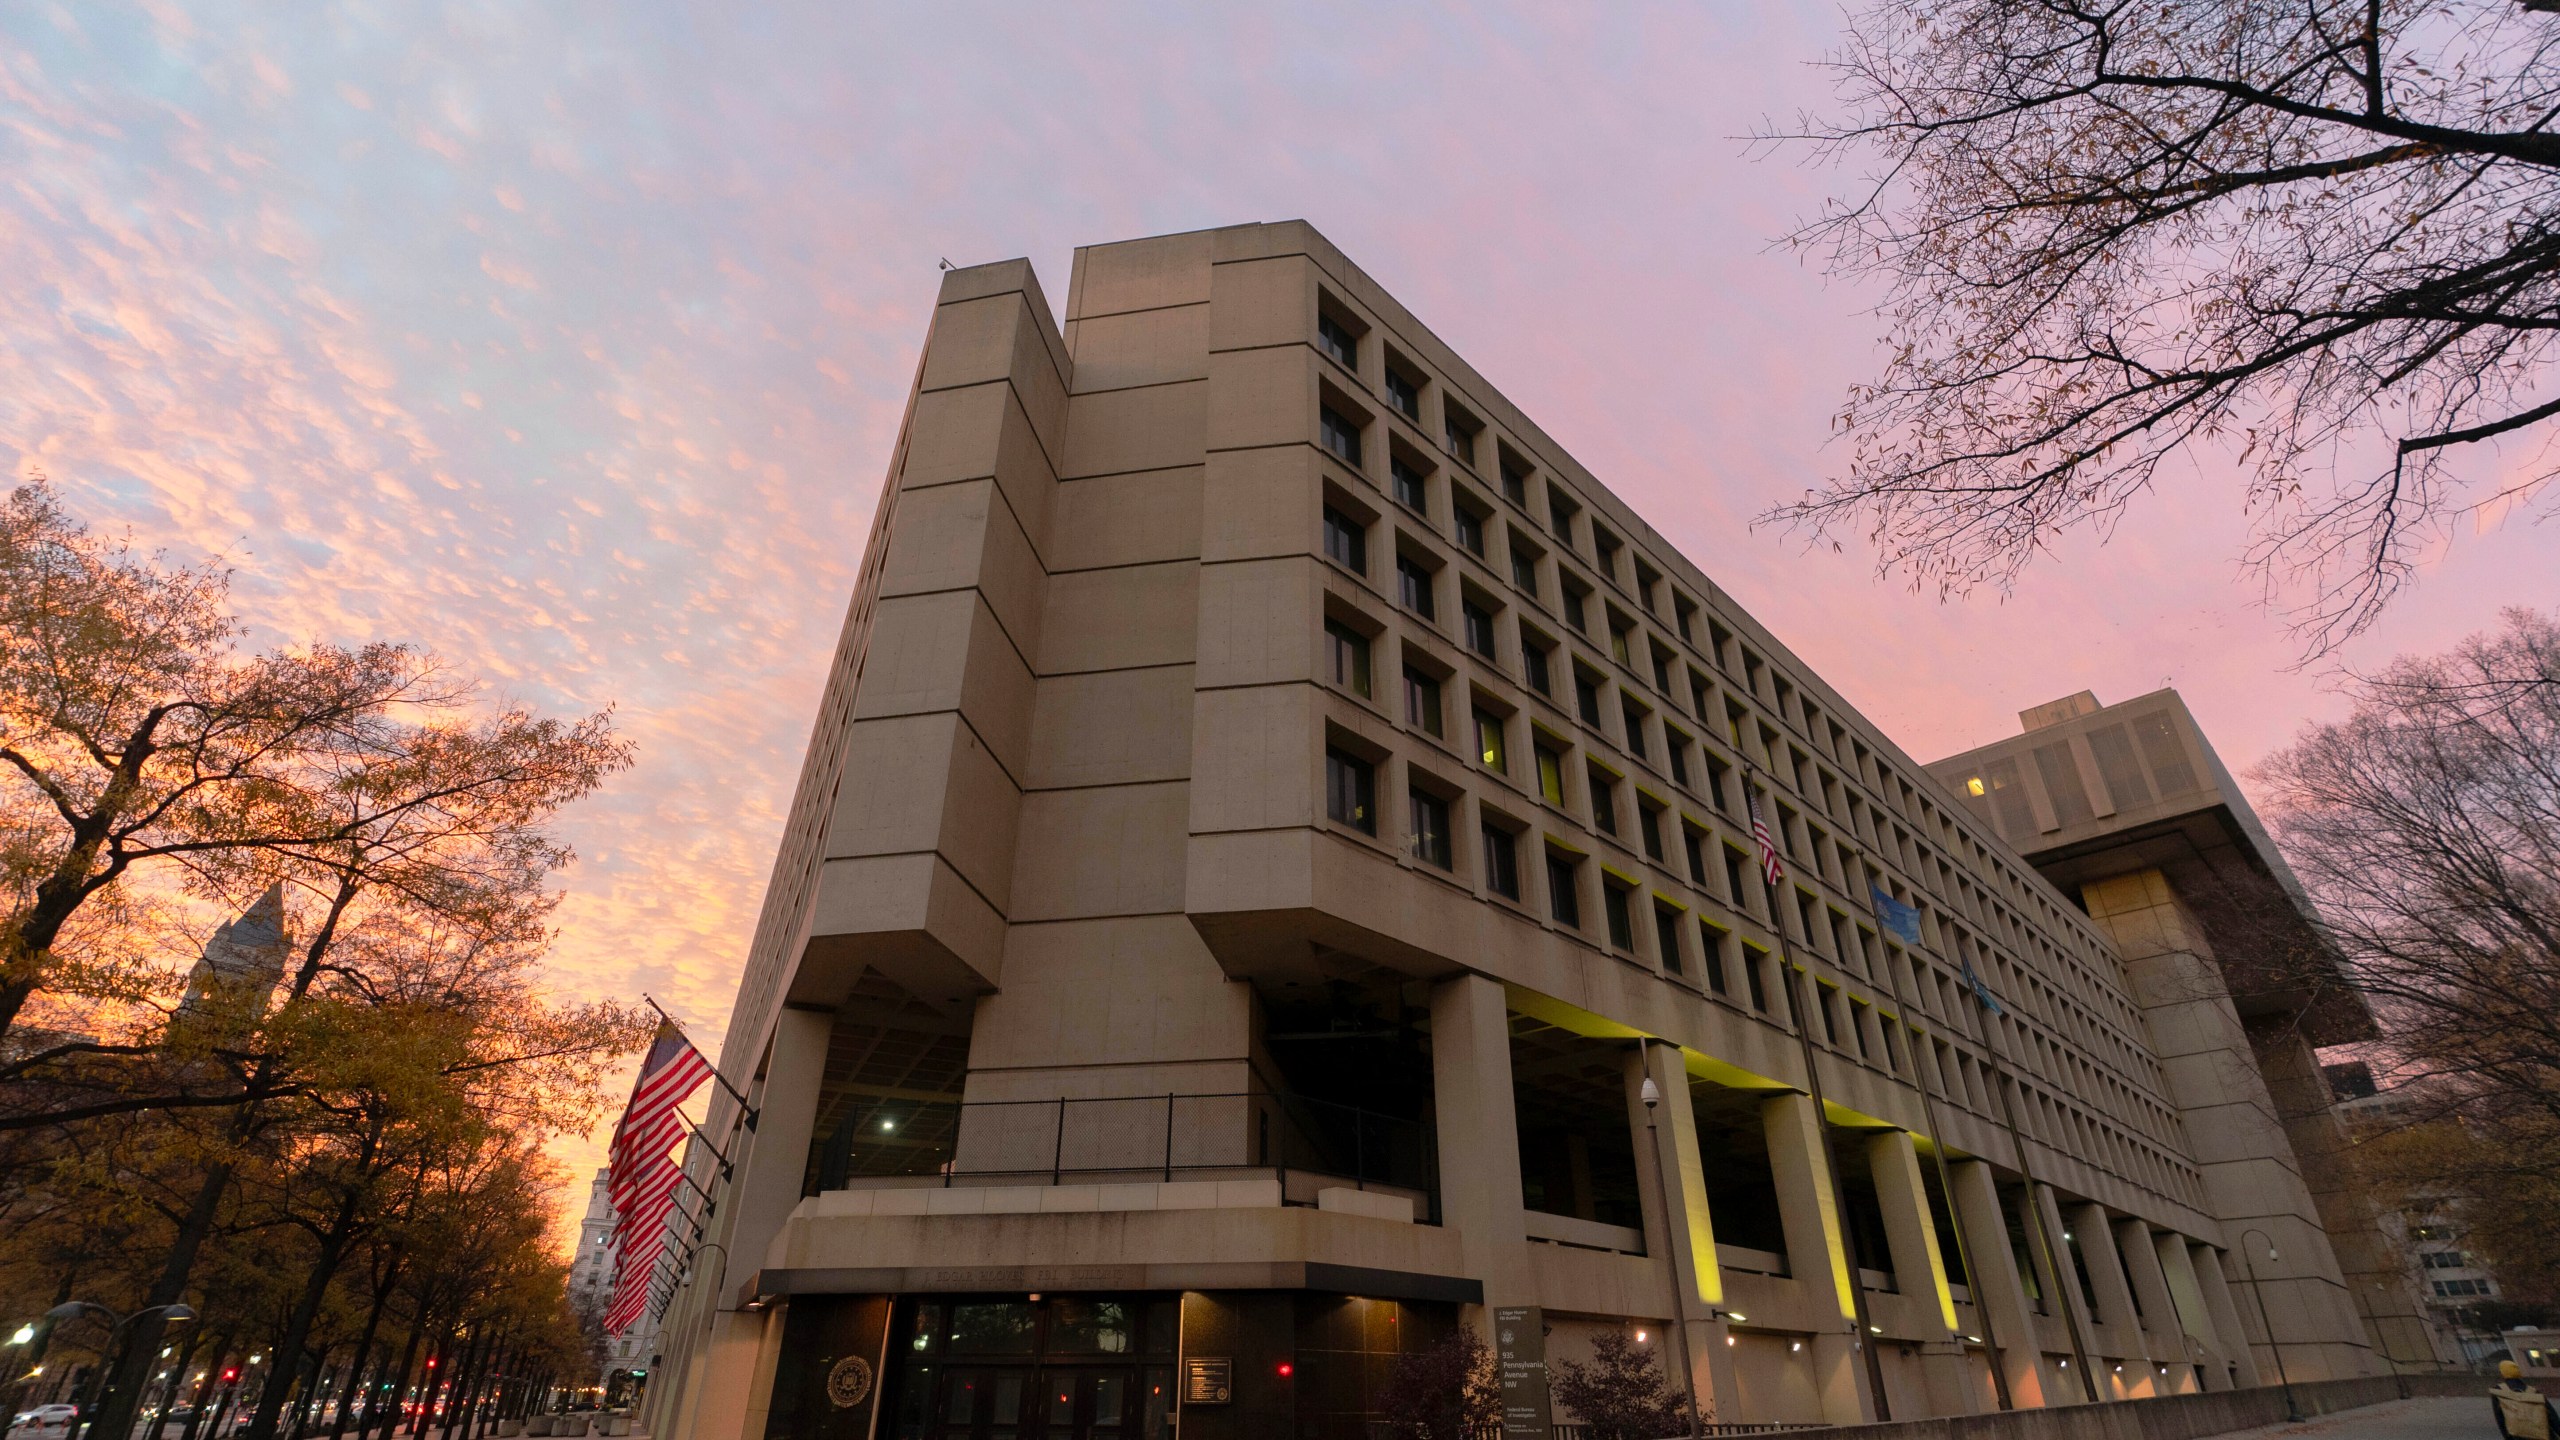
point(1479, 1137)
point(2167, 1338)
point(2061, 1286)
point(2117, 1336)
point(1683, 1237)
point(1919, 1269)
point(1997, 1290)
point(1817, 1252)
point(2229, 1330)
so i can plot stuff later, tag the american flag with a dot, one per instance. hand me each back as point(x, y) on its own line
point(1772, 869)
point(642, 1180)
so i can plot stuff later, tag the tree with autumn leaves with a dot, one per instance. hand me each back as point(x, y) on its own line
point(277, 1153)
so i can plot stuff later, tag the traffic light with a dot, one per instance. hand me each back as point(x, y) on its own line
point(230, 1373)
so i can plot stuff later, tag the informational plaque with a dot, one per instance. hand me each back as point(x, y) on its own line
point(1208, 1379)
point(1520, 1345)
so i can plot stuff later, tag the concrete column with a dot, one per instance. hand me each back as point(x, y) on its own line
point(2162, 1326)
point(1919, 1269)
point(1479, 1137)
point(1817, 1253)
point(2229, 1330)
point(1997, 1290)
point(2053, 1271)
point(1683, 1237)
point(2118, 1333)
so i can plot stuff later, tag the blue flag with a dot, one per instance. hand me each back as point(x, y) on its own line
point(1981, 991)
point(1903, 920)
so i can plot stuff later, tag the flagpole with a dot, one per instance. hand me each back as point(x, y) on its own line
point(1862, 1332)
point(1938, 1145)
point(734, 1092)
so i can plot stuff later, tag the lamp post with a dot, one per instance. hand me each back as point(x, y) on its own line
point(1652, 1096)
point(74, 1309)
point(2292, 1412)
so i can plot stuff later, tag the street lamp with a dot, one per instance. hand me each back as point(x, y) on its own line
point(74, 1309)
point(1671, 1216)
point(2292, 1412)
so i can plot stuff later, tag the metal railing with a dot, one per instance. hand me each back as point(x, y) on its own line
point(1229, 1135)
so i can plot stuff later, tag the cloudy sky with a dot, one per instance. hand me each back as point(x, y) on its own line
point(569, 339)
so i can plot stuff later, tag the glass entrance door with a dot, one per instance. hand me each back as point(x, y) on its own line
point(1067, 1368)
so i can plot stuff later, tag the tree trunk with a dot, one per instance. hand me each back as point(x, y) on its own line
point(400, 1379)
point(364, 1350)
point(131, 1366)
point(315, 1291)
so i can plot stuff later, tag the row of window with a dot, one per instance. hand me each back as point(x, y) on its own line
point(1418, 574)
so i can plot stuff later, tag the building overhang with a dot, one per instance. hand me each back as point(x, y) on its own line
point(766, 1286)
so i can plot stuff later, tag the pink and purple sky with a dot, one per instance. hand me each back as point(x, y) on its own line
point(570, 340)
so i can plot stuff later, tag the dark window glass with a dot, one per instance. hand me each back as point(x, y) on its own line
point(1501, 862)
point(1606, 545)
point(1460, 437)
point(1479, 627)
point(1413, 587)
point(1338, 342)
point(1430, 828)
point(1573, 611)
point(1604, 802)
point(1515, 481)
point(1560, 515)
point(1405, 395)
point(1711, 950)
point(1471, 531)
point(1550, 776)
point(1421, 700)
point(1350, 791)
point(1694, 842)
point(1652, 823)
point(1676, 745)
point(1489, 742)
point(1347, 541)
point(1622, 926)
point(1635, 729)
point(1752, 964)
point(1406, 484)
point(1666, 933)
point(1563, 899)
point(1586, 696)
point(1734, 863)
point(1346, 657)
point(1533, 659)
point(1662, 672)
point(1618, 640)
point(1524, 569)
point(1341, 437)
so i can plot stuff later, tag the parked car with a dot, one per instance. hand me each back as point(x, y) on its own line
point(45, 1422)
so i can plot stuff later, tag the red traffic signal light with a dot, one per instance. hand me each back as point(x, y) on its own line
point(230, 1373)
point(1287, 1369)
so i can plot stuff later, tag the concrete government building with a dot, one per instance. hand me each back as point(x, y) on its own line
point(1273, 822)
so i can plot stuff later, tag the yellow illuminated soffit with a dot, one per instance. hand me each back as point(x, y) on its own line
point(1973, 786)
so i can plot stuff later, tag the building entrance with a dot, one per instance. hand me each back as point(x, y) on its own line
point(1069, 1367)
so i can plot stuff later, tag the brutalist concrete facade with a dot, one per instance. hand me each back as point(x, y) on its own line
point(1273, 824)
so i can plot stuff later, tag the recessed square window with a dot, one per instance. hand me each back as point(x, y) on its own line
point(1550, 775)
point(1340, 435)
point(1478, 623)
point(1421, 701)
point(1501, 861)
point(1346, 541)
point(1405, 483)
point(1489, 742)
point(1335, 339)
point(1346, 657)
point(1430, 828)
point(1350, 791)
point(1666, 935)
point(1604, 801)
point(1404, 393)
point(1515, 478)
point(1586, 696)
point(1458, 431)
point(1536, 662)
point(1413, 587)
point(1635, 717)
point(1564, 897)
point(1470, 528)
point(1616, 898)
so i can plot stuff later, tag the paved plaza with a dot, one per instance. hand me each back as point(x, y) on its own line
point(2462, 1418)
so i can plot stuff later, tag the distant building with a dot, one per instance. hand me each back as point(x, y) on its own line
point(2425, 1230)
point(1274, 819)
point(628, 1357)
